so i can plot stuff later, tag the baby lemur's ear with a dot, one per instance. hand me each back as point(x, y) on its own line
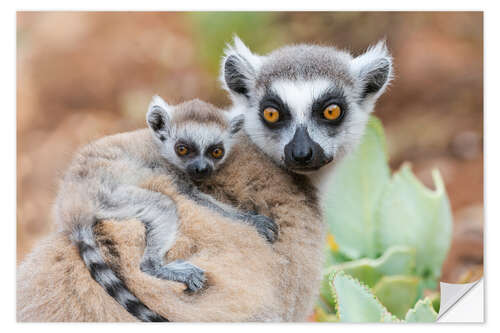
point(374, 69)
point(158, 117)
point(236, 124)
point(239, 69)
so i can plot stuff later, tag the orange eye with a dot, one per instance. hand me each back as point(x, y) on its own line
point(217, 153)
point(332, 112)
point(271, 115)
point(181, 150)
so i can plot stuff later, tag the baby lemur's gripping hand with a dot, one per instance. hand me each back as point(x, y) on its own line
point(264, 225)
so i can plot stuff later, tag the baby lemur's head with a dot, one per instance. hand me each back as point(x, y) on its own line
point(305, 105)
point(194, 136)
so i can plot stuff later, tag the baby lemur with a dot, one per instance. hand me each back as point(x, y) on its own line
point(192, 140)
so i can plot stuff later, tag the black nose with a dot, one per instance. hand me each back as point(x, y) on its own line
point(302, 154)
point(199, 170)
point(202, 170)
point(301, 147)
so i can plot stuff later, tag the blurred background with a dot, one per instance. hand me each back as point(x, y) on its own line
point(82, 75)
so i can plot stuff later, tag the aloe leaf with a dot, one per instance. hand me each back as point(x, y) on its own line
point(398, 260)
point(397, 293)
point(325, 291)
point(423, 312)
point(413, 215)
point(387, 317)
point(355, 302)
point(356, 187)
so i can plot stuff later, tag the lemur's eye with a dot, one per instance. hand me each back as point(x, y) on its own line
point(217, 152)
point(271, 115)
point(181, 150)
point(332, 112)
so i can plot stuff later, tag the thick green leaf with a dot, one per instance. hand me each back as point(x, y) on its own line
point(398, 293)
point(358, 304)
point(356, 188)
point(355, 302)
point(413, 215)
point(423, 312)
point(325, 292)
point(398, 260)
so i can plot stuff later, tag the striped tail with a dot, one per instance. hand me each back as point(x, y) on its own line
point(83, 237)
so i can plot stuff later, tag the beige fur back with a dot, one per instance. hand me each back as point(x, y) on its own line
point(248, 279)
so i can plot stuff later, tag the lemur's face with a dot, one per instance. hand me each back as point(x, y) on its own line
point(192, 136)
point(305, 106)
point(305, 124)
point(197, 148)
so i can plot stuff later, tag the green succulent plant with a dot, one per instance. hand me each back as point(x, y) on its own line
point(391, 233)
point(357, 303)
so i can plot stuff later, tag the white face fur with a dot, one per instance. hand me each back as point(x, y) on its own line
point(195, 147)
point(300, 82)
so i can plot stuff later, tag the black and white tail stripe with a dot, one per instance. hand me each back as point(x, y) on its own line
point(83, 237)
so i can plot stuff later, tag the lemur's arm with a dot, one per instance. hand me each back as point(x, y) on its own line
point(264, 225)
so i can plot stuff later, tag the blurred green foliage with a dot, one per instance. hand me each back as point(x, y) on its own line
point(213, 30)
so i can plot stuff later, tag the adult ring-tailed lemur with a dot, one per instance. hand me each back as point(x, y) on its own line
point(305, 106)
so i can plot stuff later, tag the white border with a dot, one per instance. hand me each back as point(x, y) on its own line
point(7, 132)
point(256, 5)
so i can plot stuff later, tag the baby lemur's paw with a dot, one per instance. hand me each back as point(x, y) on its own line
point(265, 226)
point(185, 272)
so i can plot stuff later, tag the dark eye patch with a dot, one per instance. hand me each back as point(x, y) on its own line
point(329, 97)
point(272, 100)
point(191, 146)
point(210, 148)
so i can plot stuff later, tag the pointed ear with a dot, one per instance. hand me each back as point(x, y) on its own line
point(236, 124)
point(239, 69)
point(374, 69)
point(158, 117)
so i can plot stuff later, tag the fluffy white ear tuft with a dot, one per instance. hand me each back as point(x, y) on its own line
point(374, 68)
point(239, 68)
point(158, 117)
point(241, 49)
point(160, 102)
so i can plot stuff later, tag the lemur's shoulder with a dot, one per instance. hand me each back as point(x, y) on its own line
point(126, 150)
point(126, 140)
point(138, 143)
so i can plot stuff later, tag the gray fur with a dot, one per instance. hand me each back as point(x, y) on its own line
point(305, 62)
point(301, 77)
